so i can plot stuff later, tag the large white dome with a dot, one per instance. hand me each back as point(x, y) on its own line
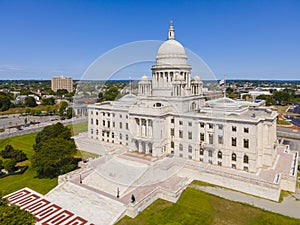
point(171, 52)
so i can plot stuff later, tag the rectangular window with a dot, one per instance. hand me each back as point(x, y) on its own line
point(120, 115)
point(219, 163)
point(126, 116)
point(126, 137)
point(201, 124)
point(220, 126)
point(181, 134)
point(180, 122)
point(210, 125)
point(201, 159)
point(246, 168)
point(113, 115)
point(172, 144)
point(91, 112)
point(96, 122)
point(103, 122)
point(220, 139)
point(190, 135)
point(190, 124)
point(210, 153)
point(108, 124)
point(172, 120)
point(91, 121)
point(201, 136)
point(180, 155)
point(233, 166)
point(211, 139)
point(96, 113)
point(172, 131)
point(234, 128)
point(210, 161)
point(114, 124)
point(126, 126)
point(246, 130)
point(103, 113)
point(190, 157)
point(103, 133)
point(107, 134)
point(233, 141)
point(246, 143)
point(120, 125)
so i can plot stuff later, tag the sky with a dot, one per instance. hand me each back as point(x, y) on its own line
point(255, 39)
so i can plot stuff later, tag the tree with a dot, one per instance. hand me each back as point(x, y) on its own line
point(61, 92)
point(13, 215)
point(111, 94)
point(1, 164)
point(9, 164)
point(69, 113)
point(48, 101)
point(10, 152)
point(62, 108)
point(5, 103)
point(100, 95)
point(30, 101)
point(268, 98)
point(54, 151)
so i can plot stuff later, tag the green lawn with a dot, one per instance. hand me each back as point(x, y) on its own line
point(198, 207)
point(78, 128)
point(28, 179)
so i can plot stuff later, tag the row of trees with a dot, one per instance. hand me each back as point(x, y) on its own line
point(54, 151)
point(284, 97)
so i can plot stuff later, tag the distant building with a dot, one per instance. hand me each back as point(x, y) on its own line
point(62, 83)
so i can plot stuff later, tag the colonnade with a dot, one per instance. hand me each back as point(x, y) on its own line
point(144, 128)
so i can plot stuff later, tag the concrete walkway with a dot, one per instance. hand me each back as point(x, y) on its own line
point(290, 206)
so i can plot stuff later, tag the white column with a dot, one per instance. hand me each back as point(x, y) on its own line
point(146, 129)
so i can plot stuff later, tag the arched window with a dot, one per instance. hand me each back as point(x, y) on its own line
point(201, 151)
point(246, 159)
point(180, 147)
point(219, 155)
point(233, 157)
point(190, 149)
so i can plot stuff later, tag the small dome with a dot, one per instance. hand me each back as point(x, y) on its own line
point(128, 98)
point(196, 78)
point(145, 78)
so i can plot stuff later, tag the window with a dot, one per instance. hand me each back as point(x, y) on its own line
point(126, 137)
point(190, 124)
point(180, 147)
point(233, 157)
point(233, 128)
point(103, 122)
point(120, 125)
point(172, 120)
point(126, 116)
point(190, 135)
point(92, 131)
point(220, 139)
point(172, 131)
point(210, 125)
point(246, 143)
point(180, 122)
point(108, 114)
point(220, 126)
point(103, 133)
point(113, 115)
point(190, 149)
point(210, 161)
point(108, 124)
point(114, 124)
point(97, 132)
point(126, 126)
point(91, 121)
point(190, 157)
point(120, 136)
point(201, 124)
point(233, 166)
point(201, 151)
point(246, 159)
point(181, 134)
point(96, 113)
point(120, 115)
point(246, 130)
point(96, 122)
point(172, 144)
point(201, 159)
point(246, 168)
point(112, 135)
point(210, 153)
point(219, 163)
point(180, 155)
point(103, 113)
point(211, 138)
point(107, 134)
point(91, 112)
point(233, 141)
point(219, 155)
point(201, 136)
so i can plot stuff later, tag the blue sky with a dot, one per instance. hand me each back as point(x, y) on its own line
point(244, 39)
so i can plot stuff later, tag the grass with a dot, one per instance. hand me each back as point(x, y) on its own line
point(197, 207)
point(28, 179)
point(283, 122)
point(78, 128)
point(86, 155)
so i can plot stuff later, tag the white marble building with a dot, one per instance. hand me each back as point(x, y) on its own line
point(170, 116)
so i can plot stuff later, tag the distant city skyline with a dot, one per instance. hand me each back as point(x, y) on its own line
point(242, 39)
